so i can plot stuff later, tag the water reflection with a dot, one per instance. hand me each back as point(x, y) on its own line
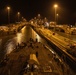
point(9, 48)
point(19, 38)
point(23, 36)
point(10, 45)
point(28, 33)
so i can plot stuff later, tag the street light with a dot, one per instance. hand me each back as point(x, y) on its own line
point(57, 17)
point(55, 6)
point(18, 15)
point(8, 9)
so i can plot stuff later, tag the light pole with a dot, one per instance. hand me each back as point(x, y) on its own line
point(57, 18)
point(18, 16)
point(55, 6)
point(8, 9)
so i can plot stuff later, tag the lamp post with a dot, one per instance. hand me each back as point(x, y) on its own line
point(57, 18)
point(18, 16)
point(55, 6)
point(8, 9)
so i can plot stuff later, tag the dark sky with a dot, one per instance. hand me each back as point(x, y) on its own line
point(30, 8)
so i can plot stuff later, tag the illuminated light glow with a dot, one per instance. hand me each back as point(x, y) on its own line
point(46, 24)
point(38, 14)
point(55, 5)
point(5, 28)
point(57, 14)
point(8, 8)
point(18, 13)
point(31, 22)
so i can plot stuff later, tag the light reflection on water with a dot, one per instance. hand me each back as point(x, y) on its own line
point(19, 38)
point(11, 44)
point(24, 36)
point(9, 48)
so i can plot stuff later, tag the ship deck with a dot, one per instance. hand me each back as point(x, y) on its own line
point(33, 58)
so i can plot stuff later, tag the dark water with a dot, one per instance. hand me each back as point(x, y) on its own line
point(7, 44)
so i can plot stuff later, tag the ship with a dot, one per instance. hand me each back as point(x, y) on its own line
point(33, 58)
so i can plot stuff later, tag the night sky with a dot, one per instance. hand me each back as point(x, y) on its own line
point(30, 8)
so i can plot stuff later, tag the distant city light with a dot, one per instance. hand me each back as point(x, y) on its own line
point(18, 13)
